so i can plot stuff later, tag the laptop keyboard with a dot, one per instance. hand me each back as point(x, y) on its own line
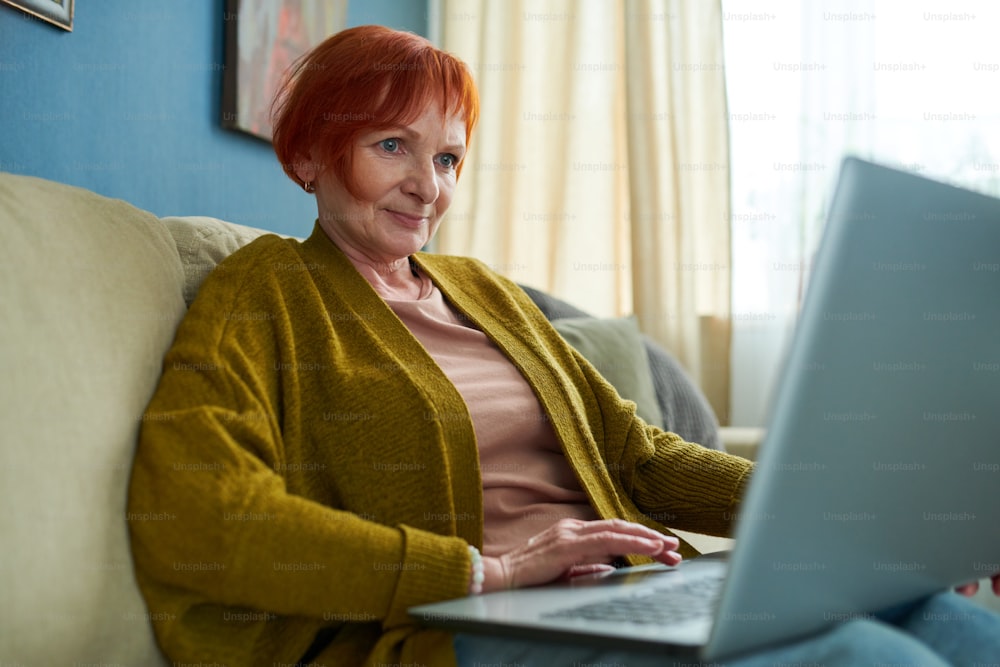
point(654, 605)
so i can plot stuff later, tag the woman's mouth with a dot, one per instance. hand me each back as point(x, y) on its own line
point(407, 219)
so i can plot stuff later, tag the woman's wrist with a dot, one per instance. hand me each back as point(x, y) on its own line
point(494, 575)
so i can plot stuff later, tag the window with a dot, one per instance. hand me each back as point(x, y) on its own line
point(915, 84)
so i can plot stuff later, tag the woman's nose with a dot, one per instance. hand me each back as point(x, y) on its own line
point(422, 182)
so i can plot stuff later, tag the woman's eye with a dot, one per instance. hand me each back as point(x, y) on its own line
point(448, 161)
point(390, 145)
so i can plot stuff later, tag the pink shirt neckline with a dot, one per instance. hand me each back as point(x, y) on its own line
point(527, 482)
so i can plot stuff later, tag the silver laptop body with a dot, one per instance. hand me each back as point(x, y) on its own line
point(879, 478)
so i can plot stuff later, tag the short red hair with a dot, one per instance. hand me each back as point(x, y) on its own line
point(361, 80)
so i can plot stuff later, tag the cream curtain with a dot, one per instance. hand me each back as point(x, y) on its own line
point(600, 172)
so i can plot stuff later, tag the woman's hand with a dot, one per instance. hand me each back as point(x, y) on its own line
point(973, 588)
point(571, 548)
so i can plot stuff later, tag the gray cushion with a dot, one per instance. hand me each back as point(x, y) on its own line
point(683, 407)
point(613, 345)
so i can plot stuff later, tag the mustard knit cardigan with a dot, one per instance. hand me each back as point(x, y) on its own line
point(304, 463)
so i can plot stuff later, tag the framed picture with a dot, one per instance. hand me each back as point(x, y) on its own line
point(56, 12)
point(264, 38)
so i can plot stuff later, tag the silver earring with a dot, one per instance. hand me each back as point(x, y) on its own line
point(309, 187)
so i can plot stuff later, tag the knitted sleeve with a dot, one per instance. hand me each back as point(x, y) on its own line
point(676, 483)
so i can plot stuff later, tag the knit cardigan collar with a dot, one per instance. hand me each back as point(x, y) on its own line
point(528, 341)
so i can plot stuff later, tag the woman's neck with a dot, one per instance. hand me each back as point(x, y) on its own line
point(399, 280)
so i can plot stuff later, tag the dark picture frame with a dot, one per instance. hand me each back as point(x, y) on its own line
point(57, 12)
point(263, 38)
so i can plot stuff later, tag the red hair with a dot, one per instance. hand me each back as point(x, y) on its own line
point(361, 80)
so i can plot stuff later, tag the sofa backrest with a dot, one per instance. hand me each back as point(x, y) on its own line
point(90, 291)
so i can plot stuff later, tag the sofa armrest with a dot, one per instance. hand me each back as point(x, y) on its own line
point(741, 440)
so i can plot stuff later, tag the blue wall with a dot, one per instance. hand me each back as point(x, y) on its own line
point(128, 105)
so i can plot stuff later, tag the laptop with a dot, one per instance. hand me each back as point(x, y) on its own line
point(878, 481)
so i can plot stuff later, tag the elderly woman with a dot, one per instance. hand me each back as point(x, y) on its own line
point(347, 427)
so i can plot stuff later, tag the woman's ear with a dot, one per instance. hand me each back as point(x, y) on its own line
point(305, 168)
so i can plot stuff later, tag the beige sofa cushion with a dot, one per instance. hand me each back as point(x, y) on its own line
point(91, 294)
point(204, 242)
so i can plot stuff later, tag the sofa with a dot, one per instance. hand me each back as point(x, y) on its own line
point(92, 290)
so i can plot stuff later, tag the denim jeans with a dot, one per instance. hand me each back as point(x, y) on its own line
point(945, 629)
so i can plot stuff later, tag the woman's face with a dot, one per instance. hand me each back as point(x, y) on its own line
point(406, 177)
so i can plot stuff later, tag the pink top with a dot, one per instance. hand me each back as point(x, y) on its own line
point(527, 483)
